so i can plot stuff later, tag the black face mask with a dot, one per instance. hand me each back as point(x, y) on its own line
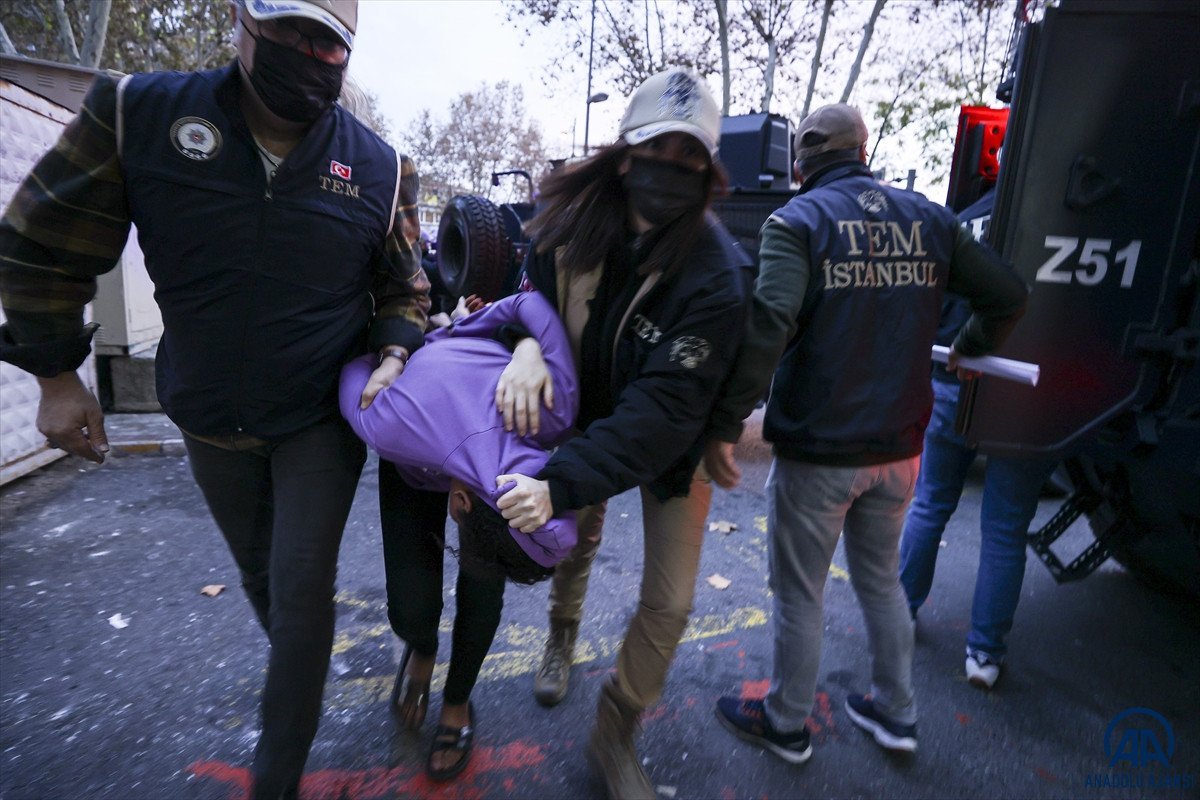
point(661, 191)
point(294, 86)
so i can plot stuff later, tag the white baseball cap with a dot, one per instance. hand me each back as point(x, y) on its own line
point(675, 100)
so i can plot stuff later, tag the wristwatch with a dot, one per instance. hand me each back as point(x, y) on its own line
point(395, 351)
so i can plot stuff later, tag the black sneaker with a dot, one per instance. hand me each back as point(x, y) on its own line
point(888, 733)
point(747, 719)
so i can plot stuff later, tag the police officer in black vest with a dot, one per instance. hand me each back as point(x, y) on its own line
point(847, 303)
point(280, 234)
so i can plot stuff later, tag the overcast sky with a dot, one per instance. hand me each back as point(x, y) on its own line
point(417, 54)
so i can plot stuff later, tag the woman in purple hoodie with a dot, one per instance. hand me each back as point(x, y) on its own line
point(439, 436)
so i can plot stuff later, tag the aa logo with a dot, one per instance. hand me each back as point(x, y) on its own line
point(1137, 738)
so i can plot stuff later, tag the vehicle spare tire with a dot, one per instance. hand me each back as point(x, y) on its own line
point(473, 250)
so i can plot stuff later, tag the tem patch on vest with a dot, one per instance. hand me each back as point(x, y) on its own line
point(872, 201)
point(196, 138)
point(690, 351)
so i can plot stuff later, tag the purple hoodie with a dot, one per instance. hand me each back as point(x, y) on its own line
point(439, 419)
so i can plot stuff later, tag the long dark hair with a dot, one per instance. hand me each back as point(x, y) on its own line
point(585, 211)
point(487, 549)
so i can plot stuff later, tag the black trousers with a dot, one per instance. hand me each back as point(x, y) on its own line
point(282, 508)
point(414, 527)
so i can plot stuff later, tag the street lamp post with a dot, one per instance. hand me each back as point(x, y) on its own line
point(598, 97)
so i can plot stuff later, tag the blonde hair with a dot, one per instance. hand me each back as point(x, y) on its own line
point(354, 99)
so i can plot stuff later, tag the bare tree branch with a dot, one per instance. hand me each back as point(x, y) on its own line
point(465, 156)
point(868, 30)
point(987, 26)
point(6, 45)
point(649, 49)
point(623, 56)
point(723, 35)
point(905, 82)
point(65, 34)
point(816, 59)
point(769, 74)
point(769, 18)
point(662, 47)
point(95, 32)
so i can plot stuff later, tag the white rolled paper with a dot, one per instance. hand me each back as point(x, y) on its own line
point(1007, 368)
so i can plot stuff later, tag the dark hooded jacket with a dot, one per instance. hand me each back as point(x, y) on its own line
point(652, 357)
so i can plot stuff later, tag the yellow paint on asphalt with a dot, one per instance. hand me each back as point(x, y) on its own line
point(346, 599)
point(760, 524)
point(712, 625)
point(517, 651)
point(349, 639)
point(838, 573)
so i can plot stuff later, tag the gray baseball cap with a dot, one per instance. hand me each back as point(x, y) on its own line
point(830, 128)
point(340, 16)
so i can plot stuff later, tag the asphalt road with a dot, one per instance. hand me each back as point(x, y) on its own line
point(119, 679)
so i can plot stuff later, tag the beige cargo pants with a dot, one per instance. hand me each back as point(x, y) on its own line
point(673, 532)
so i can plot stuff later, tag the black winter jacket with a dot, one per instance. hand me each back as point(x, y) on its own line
point(956, 311)
point(649, 370)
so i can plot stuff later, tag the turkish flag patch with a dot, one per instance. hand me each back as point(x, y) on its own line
point(339, 170)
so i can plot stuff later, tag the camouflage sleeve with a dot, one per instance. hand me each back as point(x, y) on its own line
point(66, 224)
point(401, 288)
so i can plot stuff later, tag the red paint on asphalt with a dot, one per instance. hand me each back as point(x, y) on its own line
point(238, 778)
point(1046, 775)
point(656, 713)
point(821, 719)
point(962, 718)
point(755, 690)
point(723, 645)
point(376, 783)
point(727, 794)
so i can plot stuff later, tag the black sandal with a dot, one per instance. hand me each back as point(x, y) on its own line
point(448, 738)
point(409, 694)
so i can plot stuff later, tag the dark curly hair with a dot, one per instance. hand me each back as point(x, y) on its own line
point(487, 549)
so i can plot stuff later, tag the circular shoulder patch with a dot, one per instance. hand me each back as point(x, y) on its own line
point(196, 138)
point(873, 201)
point(690, 351)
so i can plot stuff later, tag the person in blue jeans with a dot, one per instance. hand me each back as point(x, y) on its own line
point(1010, 495)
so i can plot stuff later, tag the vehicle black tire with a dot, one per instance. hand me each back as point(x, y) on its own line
point(473, 250)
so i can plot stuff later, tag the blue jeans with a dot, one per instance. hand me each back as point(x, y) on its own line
point(1010, 495)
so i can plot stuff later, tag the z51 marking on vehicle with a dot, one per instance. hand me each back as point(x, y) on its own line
point(1093, 261)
